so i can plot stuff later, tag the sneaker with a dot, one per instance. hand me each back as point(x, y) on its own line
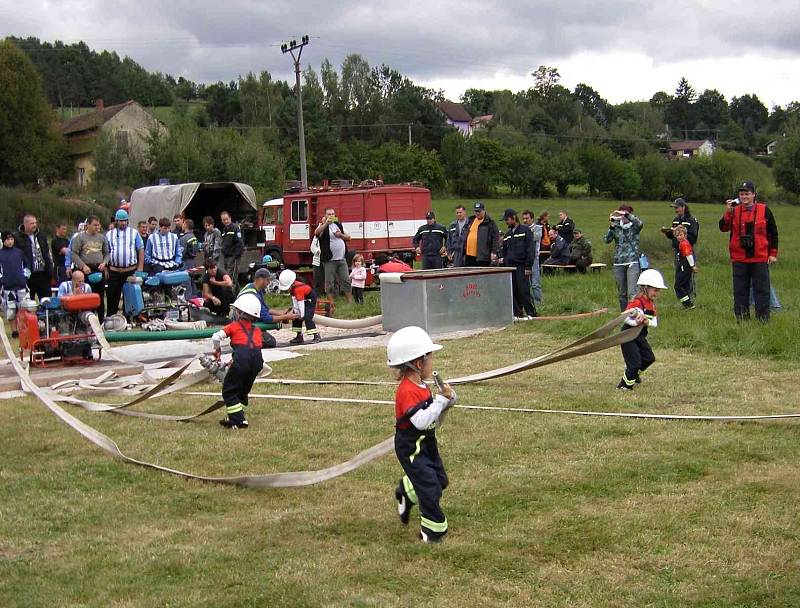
point(229, 424)
point(623, 387)
point(317, 339)
point(519, 318)
point(403, 505)
point(431, 540)
point(298, 339)
point(638, 380)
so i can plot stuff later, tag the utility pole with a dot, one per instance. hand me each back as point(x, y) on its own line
point(291, 47)
point(409, 135)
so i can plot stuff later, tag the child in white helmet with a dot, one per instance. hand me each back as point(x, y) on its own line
point(304, 303)
point(247, 361)
point(642, 311)
point(417, 413)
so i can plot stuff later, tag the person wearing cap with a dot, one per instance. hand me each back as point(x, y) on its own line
point(456, 233)
point(429, 242)
point(517, 252)
point(753, 247)
point(125, 257)
point(304, 303)
point(565, 226)
point(258, 288)
point(217, 289)
point(624, 229)
point(247, 361)
point(483, 238)
point(580, 251)
point(37, 256)
point(90, 254)
point(13, 279)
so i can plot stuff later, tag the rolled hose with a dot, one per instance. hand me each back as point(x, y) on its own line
point(173, 334)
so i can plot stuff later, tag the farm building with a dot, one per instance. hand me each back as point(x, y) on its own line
point(128, 123)
point(457, 116)
point(691, 148)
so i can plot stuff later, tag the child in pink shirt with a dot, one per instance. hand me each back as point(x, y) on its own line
point(358, 276)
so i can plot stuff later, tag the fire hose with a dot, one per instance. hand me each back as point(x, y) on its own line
point(274, 480)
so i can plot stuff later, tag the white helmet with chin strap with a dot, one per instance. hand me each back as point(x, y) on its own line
point(409, 344)
point(249, 304)
point(286, 279)
point(651, 278)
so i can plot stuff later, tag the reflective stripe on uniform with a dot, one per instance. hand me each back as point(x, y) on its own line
point(232, 409)
point(434, 526)
point(408, 488)
point(419, 447)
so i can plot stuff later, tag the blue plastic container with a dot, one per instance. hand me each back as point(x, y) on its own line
point(132, 297)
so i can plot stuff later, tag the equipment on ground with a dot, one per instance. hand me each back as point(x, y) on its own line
point(57, 332)
point(161, 296)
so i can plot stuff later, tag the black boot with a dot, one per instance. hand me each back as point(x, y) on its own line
point(298, 339)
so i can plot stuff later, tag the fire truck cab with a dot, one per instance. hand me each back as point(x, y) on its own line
point(381, 219)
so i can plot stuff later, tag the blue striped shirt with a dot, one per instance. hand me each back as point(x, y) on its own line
point(164, 250)
point(67, 289)
point(123, 246)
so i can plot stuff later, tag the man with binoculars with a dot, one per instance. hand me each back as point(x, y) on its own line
point(753, 246)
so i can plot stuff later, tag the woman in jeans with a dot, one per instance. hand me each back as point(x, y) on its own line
point(624, 229)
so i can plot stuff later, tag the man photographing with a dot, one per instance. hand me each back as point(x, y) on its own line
point(753, 246)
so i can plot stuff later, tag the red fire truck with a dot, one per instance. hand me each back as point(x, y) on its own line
point(381, 219)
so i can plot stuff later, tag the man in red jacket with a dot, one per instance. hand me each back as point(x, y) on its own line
point(753, 247)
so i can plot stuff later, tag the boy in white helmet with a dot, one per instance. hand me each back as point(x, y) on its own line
point(417, 413)
point(642, 311)
point(247, 361)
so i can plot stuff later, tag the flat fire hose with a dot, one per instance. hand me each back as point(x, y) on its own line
point(348, 323)
point(105, 443)
point(275, 480)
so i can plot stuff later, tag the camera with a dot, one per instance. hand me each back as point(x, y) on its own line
point(747, 241)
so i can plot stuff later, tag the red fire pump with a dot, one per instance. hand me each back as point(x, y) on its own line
point(57, 332)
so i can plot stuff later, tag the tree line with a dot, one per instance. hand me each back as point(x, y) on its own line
point(358, 118)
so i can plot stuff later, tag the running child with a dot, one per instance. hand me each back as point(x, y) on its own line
point(685, 267)
point(642, 310)
point(417, 413)
point(247, 362)
point(304, 303)
point(358, 277)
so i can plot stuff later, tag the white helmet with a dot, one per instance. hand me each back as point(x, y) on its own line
point(408, 344)
point(249, 304)
point(285, 280)
point(651, 278)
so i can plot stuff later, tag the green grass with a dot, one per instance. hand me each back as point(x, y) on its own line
point(544, 510)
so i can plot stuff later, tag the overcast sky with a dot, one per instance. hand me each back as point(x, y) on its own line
point(625, 49)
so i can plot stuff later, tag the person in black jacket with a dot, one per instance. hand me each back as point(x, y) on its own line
point(59, 247)
point(683, 218)
point(232, 246)
point(37, 257)
point(517, 251)
point(565, 226)
point(430, 242)
point(482, 241)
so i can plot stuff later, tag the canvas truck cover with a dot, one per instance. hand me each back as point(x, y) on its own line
point(167, 201)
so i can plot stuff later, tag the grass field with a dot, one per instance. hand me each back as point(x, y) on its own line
point(544, 510)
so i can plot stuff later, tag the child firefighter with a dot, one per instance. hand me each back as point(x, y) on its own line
point(642, 311)
point(304, 303)
point(685, 267)
point(247, 362)
point(417, 413)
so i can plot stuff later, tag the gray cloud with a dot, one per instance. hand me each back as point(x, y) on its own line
point(428, 40)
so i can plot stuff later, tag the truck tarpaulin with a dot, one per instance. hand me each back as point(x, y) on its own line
point(167, 201)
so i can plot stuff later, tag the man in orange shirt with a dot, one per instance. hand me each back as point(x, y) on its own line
point(483, 238)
